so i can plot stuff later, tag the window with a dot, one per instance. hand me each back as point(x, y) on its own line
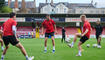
point(45, 9)
point(64, 10)
point(97, 12)
point(56, 9)
point(81, 12)
point(29, 11)
point(102, 12)
point(91, 11)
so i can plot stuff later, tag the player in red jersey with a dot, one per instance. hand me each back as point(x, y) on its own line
point(50, 26)
point(1, 41)
point(84, 36)
point(9, 36)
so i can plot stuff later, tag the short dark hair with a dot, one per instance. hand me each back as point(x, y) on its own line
point(12, 14)
point(47, 14)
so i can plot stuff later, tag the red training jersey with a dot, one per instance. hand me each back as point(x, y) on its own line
point(87, 26)
point(49, 25)
point(7, 27)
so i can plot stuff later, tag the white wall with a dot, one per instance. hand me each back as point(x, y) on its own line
point(60, 8)
point(46, 9)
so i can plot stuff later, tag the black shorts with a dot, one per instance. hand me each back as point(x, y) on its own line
point(10, 39)
point(97, 36)
point(49, 34)
point(63, 36)
point(84, 39)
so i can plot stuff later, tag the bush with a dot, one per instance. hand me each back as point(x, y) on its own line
point(6, 9)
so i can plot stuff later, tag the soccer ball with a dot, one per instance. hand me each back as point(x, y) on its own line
point(94, 45)
point(88, 45)
point(67, 40)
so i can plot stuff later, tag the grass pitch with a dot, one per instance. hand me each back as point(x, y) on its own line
point(35, 47)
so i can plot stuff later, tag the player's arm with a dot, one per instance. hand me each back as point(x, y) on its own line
point(1, 31)
point(85, 32)
point(66, 33)
point(91, 29)
point(42, 30)
point(14, 30)
point(55, 28)
point(101, 29)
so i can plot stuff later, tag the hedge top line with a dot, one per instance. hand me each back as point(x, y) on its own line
point(55, 15)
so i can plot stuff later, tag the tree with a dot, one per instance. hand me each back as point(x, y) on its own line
point(2, 3)
point(6, 9)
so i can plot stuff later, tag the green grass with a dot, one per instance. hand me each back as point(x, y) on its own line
point(35, 47)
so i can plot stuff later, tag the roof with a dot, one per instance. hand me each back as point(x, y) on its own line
point(72, 5)
point(69, 5)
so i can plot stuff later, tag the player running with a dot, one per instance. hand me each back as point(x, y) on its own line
point(9, 36)
point(84, 36)
point(50, 26)
point(99, 30)
point(1, 41)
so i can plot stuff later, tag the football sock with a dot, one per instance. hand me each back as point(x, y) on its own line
point(2, 56)
point(26, 57)
point(45, 48)
point(99, 43)
point(79, 52)
point(72, 43)
point(2, 48)
point(53, 47)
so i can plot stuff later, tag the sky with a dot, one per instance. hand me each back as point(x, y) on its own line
point(100, 3)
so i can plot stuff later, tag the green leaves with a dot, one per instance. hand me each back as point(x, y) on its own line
point(6, 9)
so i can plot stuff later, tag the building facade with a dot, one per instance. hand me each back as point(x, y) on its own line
point(70, 8)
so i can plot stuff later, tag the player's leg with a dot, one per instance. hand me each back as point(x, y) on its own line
point(99, 41)
point(1, 44)
point(79, 49)
point(77, 35)
point(16, 43)
point(6, 42)
point(1, 41)
point(45, 44)
point(53, 41)
point(20, 46)
point(4, 52)
point(82, 40)
point(62, 39)
point(97, 36)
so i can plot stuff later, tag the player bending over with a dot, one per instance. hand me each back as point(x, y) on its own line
point(1, 41)
point(99, 30)
point(49, 24)
point(84, 36)
point(9, 36)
